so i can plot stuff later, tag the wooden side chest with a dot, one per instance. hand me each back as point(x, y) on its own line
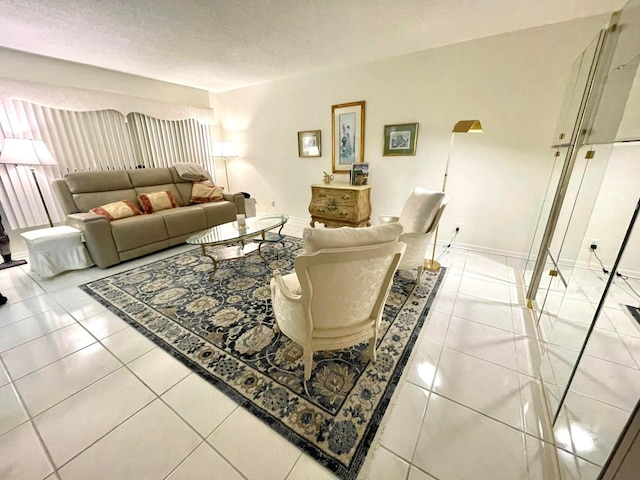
point(340, 204)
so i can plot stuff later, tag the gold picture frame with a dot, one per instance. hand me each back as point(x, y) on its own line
point(347, 135)
point(400, 139)
point(309, 144)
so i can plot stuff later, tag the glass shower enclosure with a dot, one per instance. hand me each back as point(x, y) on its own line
point(582, 273)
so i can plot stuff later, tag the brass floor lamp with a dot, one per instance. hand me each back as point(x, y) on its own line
point(463, 126)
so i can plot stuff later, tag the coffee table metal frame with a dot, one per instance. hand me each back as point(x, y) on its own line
point(219, 237)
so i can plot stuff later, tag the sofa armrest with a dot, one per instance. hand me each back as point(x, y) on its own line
point(96, 230)
point(236, 198)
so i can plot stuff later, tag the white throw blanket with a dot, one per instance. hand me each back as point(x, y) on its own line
point(191, 171)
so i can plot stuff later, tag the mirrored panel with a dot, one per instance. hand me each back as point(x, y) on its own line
point(605, 385)
point(558, 156)
point(574, 93)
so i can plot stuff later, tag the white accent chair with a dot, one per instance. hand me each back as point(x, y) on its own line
point(336, 295)
point(419, 219)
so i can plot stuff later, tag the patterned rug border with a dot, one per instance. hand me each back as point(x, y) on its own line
point(372, 429)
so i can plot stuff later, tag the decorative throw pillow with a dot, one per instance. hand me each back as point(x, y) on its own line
point(117, 210)
point(203, 192)
point(156, 201)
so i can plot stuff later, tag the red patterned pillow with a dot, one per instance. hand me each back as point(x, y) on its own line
point(117, 210)
point(203, 192)
point(156, 201)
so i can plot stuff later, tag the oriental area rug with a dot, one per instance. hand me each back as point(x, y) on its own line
point(223, 331)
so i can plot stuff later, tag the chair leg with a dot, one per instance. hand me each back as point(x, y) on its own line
point(308, 362)
point(372, 349)
point(419, 277)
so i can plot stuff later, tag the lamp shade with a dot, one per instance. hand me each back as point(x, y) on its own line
point(464, 126)
point(224, 149)
point(24, 151)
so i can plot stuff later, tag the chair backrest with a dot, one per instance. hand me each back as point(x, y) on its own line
point(343, 288)
point(421, 209)
point(436, 218)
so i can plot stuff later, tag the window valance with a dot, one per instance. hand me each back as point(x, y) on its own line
point(80, 99)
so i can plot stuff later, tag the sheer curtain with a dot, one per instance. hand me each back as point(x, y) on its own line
point(89, 140)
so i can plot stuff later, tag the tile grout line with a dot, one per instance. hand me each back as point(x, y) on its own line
point(157, 397)
point(30, 420)
point(437, 366)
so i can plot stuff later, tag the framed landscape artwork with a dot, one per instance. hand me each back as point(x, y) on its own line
point(400, 139)
point(309, 144)
point(347, 135)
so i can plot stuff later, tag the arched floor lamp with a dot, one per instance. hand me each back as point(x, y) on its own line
point(463, 126)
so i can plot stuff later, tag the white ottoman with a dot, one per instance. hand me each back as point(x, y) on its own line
point(56, 250)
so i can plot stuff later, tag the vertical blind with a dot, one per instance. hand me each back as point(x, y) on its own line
point(89, 140)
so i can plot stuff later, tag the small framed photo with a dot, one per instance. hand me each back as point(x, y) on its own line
point(309, 144)
point(400, 139)
point(347, 135)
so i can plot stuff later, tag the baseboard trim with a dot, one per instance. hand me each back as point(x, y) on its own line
point(493, 251)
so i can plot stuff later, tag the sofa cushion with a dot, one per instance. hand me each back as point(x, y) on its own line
point(87, 201)
point(185, 192)
point(135, 232)
point(146, 177)
point(203, 192)
point(218, 213)
point(183, 220)
point(156, 201)
point(99, 181)
point(317, 238)
point(117, 210)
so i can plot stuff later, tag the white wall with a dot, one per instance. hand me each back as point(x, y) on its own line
point(513, 83)
point(39, 69)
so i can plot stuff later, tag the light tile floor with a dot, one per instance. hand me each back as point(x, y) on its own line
point(606, 385)
point(83, 395)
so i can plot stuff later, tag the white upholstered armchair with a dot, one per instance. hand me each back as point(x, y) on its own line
point(336, 295)
point(419, 218)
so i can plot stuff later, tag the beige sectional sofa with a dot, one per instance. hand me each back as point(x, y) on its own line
point(111, 242)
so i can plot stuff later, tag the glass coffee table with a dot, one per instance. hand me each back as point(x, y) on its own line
point(229, 241)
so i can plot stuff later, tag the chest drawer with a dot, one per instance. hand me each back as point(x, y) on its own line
point(341, 197)
point(333, 210)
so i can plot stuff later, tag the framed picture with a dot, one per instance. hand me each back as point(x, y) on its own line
point(309, 144)
point(400, 139)
point(347, 135)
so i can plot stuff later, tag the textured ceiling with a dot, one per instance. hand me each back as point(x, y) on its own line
point(223, 44)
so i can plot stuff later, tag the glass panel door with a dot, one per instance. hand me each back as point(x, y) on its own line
point(604, 386)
